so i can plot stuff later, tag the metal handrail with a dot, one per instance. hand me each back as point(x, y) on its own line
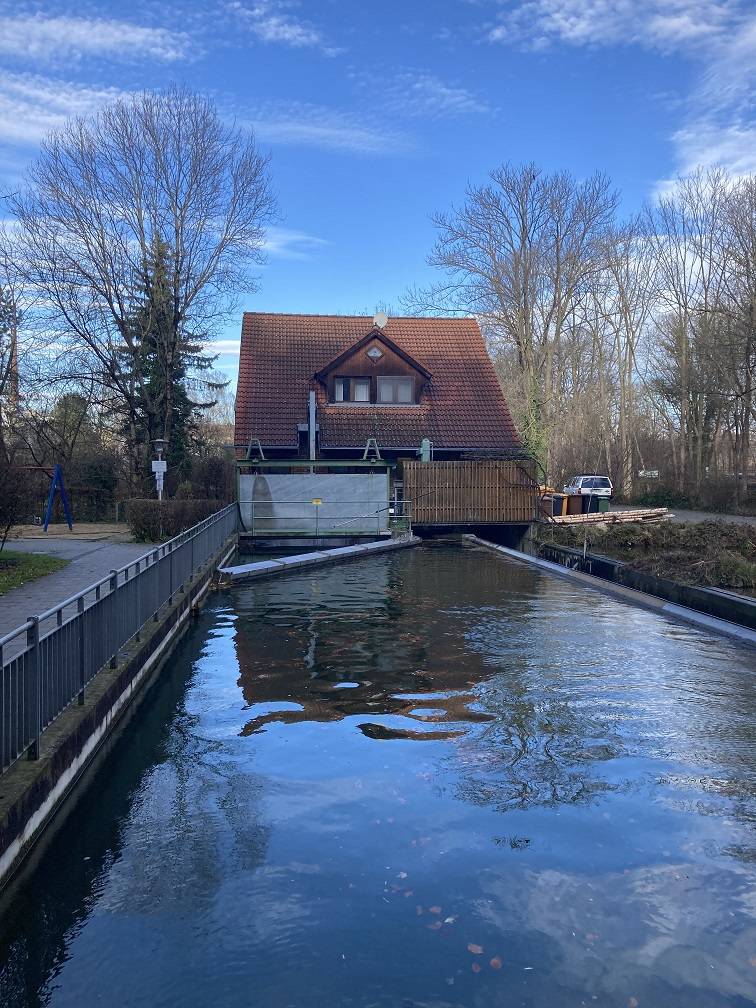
point(47, 673)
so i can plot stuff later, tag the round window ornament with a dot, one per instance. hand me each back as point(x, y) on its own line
point(375, 353)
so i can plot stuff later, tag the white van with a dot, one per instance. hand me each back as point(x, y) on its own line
point(590, 483)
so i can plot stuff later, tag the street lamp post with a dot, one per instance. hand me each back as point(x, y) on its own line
point(159, 466)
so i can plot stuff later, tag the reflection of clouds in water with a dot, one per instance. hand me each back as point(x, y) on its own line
point(615, 935)
point(583, 825)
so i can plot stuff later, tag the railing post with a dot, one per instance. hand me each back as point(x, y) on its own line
point(156, 564)
point(138, 598)
point(82, 645)
point(33, 692)
point(170, 574)
point(113, 611)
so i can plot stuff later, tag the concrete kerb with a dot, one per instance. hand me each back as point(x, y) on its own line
point(266, 568)
point(36, 795)
point(631, 595)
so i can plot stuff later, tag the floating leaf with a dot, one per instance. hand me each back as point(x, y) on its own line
point(434, 926)
point(475, 949)
point(402, 874)
point(476, 967)
point(449, 920)
point(408, 892)
point(633, 1003)
point(418, 910)
point(496, 963)
point(435, 909)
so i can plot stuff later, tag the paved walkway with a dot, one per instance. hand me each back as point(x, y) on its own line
point(90, 560)
point(704, 516)
point(699, 516)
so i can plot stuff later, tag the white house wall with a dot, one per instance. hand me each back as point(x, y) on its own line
point(350, 503)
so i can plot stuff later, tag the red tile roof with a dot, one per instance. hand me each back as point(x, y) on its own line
point(462, 406)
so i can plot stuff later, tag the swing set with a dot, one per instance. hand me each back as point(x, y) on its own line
point(57, 485)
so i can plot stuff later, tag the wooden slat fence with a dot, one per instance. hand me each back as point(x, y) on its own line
point(476, 493)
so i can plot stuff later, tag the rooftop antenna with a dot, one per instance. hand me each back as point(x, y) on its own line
point(380, 320)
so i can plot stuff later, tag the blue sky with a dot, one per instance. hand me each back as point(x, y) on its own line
point(377, 114)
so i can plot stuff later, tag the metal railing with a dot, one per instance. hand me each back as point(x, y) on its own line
point(46, 662)
point(322, 518)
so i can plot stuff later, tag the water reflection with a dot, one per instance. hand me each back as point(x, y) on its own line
point(432, 779)
point(406, 646)
point(131, 852)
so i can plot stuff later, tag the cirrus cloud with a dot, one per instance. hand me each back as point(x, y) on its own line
point(49, 39)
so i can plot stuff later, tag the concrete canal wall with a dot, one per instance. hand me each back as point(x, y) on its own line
point(721, 605)
point(267, 568)
point(643, 599)
point(36, 794)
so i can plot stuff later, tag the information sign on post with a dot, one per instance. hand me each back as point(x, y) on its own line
point(159, 467)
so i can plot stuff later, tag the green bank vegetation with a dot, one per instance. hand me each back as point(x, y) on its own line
point(17, 569)
point(709, 554)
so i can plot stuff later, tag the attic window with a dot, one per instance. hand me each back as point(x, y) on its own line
point(375, 353)
point(396, 390)
point(352, 390)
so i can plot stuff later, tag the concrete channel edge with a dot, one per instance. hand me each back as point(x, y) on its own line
point(631, 595)
point(266, 568)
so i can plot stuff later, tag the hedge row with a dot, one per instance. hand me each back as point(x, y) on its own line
point(156, 521)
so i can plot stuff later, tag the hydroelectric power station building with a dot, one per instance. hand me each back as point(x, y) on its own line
point(352, 426)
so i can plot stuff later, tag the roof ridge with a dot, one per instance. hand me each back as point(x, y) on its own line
point(402, 318)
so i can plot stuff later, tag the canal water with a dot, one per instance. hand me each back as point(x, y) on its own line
point(433, 779)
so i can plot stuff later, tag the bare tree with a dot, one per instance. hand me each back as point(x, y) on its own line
point(623, 300)
point(156, 171)
point(737, 353)
point(519, 253)
point(682, 232)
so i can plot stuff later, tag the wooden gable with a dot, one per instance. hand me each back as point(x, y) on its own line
point(374, 356)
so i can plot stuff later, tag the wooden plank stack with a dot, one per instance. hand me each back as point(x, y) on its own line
point(648, 515)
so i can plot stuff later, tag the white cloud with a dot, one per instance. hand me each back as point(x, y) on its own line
point(654, 24)
point(419, 94)
point(46, 39)
point(272, 21)
point(30, 106)
point(707, 143)
point(223, 346)
point(315, 126)
point(718, 126)
point(283, 243)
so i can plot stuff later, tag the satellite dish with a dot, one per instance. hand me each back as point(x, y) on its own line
point(380, 319)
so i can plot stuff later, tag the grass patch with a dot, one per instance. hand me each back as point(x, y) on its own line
point(707, 554)
point(17, 569)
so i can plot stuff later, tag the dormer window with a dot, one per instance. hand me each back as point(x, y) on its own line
point(374, 371)
point(396, 390)
point(352, 390)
